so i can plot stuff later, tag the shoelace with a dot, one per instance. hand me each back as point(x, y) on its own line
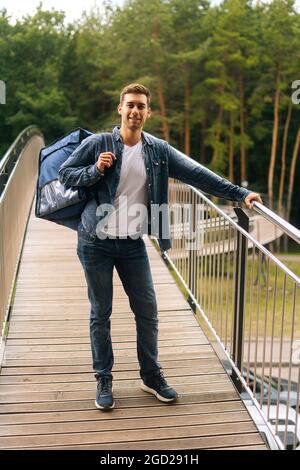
point(104, 384)
point(161, 380)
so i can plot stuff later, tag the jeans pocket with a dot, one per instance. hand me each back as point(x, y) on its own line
point(84, 235)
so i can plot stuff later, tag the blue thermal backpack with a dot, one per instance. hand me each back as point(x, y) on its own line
point(54, 201)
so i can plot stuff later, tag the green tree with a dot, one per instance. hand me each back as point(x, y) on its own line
point(230, 59)
point(278, 50)
point(32, 68)
point(140, 34)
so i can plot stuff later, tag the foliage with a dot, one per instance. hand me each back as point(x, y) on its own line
point(213, 72)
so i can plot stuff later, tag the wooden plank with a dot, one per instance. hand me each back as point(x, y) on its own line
point(64, 295)
point(193, 362)
point(82, 341)
point(20, 397)
point(249, 447)
point(120, 356)
point(122, 306)
point(198, 443)
point(38, 316)
point(109, 425)
point(90, 385)
point(74, 292)
point(119, 351)
point(85, 361)
point(127, 435)
point(76, 330)
point(75, 334)
point(82, 310)
point(31, 281)
point(125, 344)
point(176, 321)
point(128, 402)
point(138, 412)
point(127, 374)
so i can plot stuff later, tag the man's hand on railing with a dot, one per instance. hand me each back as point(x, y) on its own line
point(250, 198)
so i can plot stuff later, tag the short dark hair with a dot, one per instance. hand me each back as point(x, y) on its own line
point(136, 88)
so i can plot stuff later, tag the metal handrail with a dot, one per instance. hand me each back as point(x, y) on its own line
point(217, 261)
point(18, 175)
point(20, 140)
point(264, 250)
point(275, 219)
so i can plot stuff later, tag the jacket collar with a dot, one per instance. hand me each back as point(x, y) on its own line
point(146, 138)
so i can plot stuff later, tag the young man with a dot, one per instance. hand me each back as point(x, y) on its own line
point(130, 169)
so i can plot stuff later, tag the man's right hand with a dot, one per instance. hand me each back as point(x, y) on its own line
point(105, 160)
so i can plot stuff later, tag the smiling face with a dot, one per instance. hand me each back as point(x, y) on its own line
point(134, 111)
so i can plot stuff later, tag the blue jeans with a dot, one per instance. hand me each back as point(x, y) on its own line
point(98, 258)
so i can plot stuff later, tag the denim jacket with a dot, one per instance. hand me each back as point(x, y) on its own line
point(161, 161)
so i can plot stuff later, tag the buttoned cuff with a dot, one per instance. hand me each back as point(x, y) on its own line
point(97, 172)
point(243, 193)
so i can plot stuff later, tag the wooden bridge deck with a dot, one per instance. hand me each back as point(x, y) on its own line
point(47, 387)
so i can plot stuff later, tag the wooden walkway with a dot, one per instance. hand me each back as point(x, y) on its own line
point(47, 387)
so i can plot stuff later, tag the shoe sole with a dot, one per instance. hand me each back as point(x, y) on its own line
point(158, 396)
point(104, 407)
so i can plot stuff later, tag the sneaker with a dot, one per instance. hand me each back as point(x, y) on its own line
point(104, 397)
point(157, 385)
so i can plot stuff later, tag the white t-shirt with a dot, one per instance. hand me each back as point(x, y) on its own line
point(131, 196)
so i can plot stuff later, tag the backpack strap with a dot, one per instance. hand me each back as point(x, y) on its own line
point(106, 146)
point(107, 142)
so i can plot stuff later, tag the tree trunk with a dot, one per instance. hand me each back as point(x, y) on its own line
point(202, 150)
point(162, 107)
point(281, 210)
point(283, 159)
point(187, 136)
point(218, 130)
point(160, 88)
point(231, 148)
point(274, 143)
point(244, 175)
point(292, 174)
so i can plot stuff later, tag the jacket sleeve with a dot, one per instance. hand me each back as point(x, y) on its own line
point(190, 172)
point(80, 169)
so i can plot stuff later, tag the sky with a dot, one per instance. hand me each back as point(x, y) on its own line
point(73, 8)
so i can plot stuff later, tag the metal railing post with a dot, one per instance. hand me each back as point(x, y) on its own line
point(239, 295)
point(192, 272)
